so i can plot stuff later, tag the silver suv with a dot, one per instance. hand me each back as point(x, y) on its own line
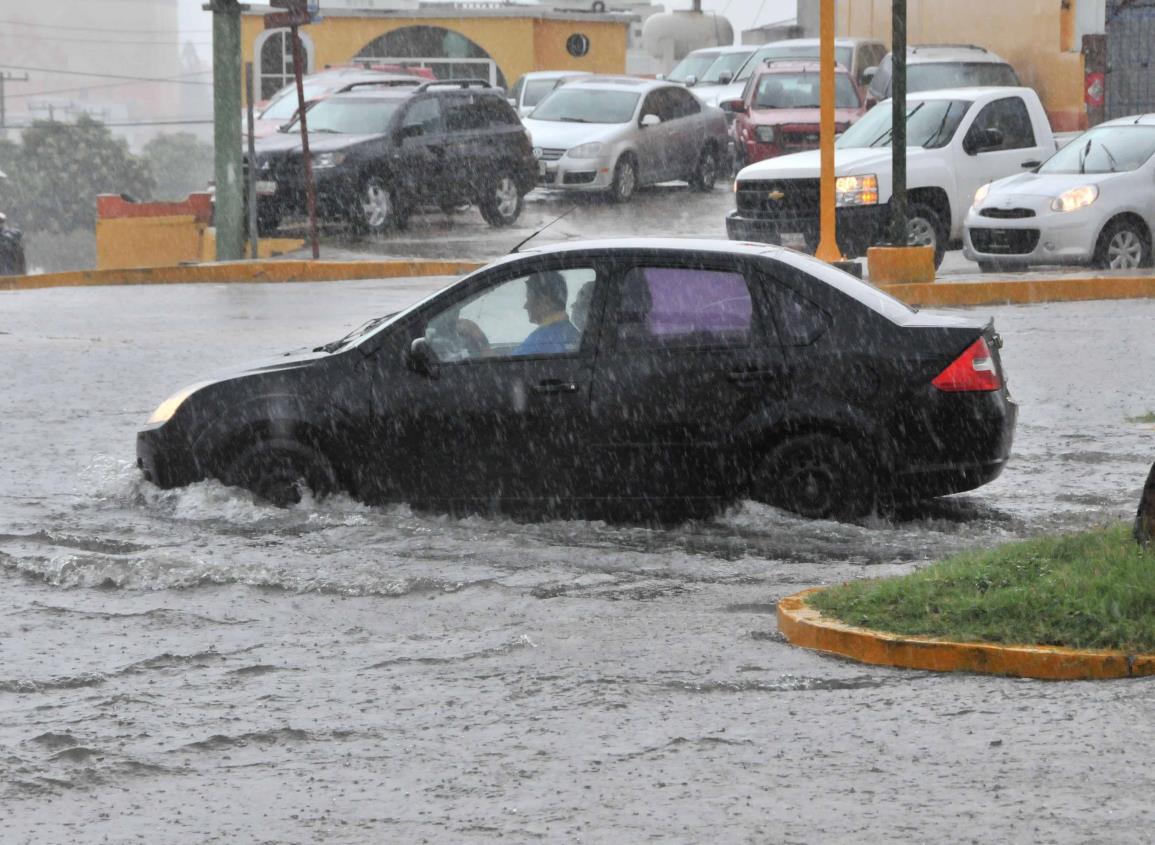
point(933, 66)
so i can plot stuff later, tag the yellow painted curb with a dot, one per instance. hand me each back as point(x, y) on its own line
point(1024, 292)
point(249, 272)
point(804, 626)
point(890, 265)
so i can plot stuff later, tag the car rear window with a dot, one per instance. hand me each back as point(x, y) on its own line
point(873, 298)
point(931, 77)
point(686, 306)
point(801, 91)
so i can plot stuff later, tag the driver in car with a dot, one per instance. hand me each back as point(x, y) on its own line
point(545, 299)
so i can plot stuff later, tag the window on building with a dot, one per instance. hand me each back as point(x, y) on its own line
point(276, 62)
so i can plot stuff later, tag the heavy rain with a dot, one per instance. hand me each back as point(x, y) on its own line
point(195, 664)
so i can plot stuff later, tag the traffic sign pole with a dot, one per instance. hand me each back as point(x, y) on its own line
point(310, 189)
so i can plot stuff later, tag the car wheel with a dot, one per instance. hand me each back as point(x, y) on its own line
point(625, 180)
point(375, 208)
point(816, 476)
point(925, 228)
point(502, 202)
point(706, 173)
point(279, 471)
point(1124, 245)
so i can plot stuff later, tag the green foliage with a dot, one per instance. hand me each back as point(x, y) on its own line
point(179, 163)
point(1148, 417)
point(57, 170)
point(1089, 590)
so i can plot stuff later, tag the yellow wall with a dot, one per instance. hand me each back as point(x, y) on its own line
point(1035, 36)
point(516, 44)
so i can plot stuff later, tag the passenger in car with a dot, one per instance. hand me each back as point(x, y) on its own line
point(545, 302)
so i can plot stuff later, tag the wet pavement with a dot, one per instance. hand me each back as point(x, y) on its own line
point(194, 666)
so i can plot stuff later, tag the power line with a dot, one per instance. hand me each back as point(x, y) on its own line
point(105, 75)
point(118, 29)
point(78, 88)
point(102, 42)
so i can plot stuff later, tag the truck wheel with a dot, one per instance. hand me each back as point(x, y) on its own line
point(925, 228)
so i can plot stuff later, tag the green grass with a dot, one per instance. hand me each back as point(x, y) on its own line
point(1089, 590)
point(1148, 417)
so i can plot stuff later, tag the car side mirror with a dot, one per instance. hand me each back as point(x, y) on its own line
point(725, 77)
point(421, 359)
point(650, 120)
point(733, 106)
point(1031, 165)
point(868, 75)
point(690, 81)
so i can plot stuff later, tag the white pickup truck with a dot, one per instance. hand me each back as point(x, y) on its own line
point(957, 141)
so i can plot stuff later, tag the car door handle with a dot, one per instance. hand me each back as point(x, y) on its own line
point(553, 385)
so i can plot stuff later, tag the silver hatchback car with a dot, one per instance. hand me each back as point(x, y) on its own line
point(617, 133)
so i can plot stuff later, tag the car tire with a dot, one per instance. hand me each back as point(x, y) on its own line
point(625, 179)
point(376, 208)
point(278, 471)
point(1123, 245)
point(501, 202)
point(817, 476)
point(924, 227)
point(706, 173)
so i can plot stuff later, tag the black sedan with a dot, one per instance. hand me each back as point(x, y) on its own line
point(640, 376)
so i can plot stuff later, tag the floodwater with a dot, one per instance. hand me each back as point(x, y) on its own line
point(193, 666)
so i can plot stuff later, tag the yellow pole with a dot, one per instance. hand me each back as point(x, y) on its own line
point(827, 242)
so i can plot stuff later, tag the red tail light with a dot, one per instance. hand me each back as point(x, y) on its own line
point(973, 370)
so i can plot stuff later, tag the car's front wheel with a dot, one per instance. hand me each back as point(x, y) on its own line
point(924, 227)
point(817, 476)
point(281, 471)
point(1124, 245)
point(501, 202)
point(706, 172)
point(625, 180)
point(376, 207)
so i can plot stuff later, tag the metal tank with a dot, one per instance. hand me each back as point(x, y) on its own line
point(669, 36)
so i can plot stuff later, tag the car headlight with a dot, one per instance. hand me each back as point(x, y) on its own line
point(323, 160)
point(856, 190)
point(590, 150)
point(981, 194)
point(1075, 198)
point(764, 134)
point(168, 407)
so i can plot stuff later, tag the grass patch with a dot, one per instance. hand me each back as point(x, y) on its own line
point(1090, 590)
point(1148, 417)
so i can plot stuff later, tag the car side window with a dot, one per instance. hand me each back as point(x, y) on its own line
point(652, 105)
point(496, 112)
point(683, 103)
point(799, 321)
point(463, 113)
point(880, 85)
point(542, 313)
point(660, 307)
point(424, 112)
point(1008, 117)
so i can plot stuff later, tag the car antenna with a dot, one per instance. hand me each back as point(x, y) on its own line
point(542, 229)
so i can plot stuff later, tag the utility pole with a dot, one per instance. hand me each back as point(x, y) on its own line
point(898, 233)
point(827, 240)
point(228, 212)
point(7, 76)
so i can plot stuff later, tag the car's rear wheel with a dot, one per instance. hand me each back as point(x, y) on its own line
point(817, 476)
point(625, 179)
point(376, 207)
point(706, 173)
point(1124, 245)
point(280, 471)
point(925, 228)
point(501, 202)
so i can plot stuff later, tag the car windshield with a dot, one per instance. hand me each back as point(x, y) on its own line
point(727, 62)
point(931, 77)
point(535, 91)
point(351, 116)
point(1105, 149)
point(843, 55)
point(693, 65)
point(801, 91)
point(929, 123)
point(588, 105)
point(284, 104)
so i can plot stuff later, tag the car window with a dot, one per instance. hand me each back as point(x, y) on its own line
point(683, 306)
point(656, 103)
point(424, 112)
point(515, 92)
point(574, 104)
point(1008, 117)
point(880, 84)
point(1105, 149)
point(799, 321)
point(542, 313)
point(463, 113)
point(682, 103)
point(801, 91)
point(695, 64)
point(726, 63)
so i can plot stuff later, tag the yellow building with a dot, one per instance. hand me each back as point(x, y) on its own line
point(1036, 36)
point(498, 44)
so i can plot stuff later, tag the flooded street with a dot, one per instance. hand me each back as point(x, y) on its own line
point(194, 666)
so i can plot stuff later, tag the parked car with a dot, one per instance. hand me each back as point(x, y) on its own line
point(700, 372)
point(706, 69)
point(615, 134)
point(281, 108)
point(957, 140)
point(854, 54)
point(1092, 202)
point(535, 86)
point(378, 153)
point(780, 110)
point(934, 66)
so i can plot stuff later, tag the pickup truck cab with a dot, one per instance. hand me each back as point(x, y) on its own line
point(957, 140)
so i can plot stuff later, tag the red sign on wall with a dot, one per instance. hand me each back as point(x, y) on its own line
point(1094, 89)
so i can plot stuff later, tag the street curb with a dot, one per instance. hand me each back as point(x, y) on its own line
point(804, 626)
point(1024, 292)
point(245, 272)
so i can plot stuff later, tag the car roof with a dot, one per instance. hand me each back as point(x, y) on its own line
point(933, 53)
point(1133, 120)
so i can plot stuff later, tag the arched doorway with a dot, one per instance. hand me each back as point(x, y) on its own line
point(449, 54)
point(274, 51)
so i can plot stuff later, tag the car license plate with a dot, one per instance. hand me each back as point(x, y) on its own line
point(266, 187)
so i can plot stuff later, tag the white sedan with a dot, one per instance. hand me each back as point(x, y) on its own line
point(1093, 202)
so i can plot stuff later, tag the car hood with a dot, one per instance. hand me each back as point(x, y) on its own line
point(289, 142)
point(847, 162)
point(1048, 184)
point(556, 134)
